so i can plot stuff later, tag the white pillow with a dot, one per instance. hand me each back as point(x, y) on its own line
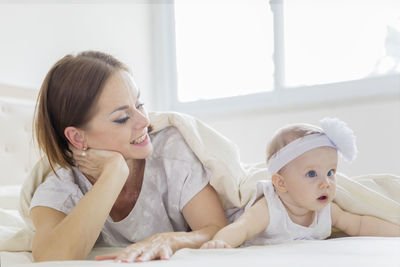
point(14, 236)
point(9, 196)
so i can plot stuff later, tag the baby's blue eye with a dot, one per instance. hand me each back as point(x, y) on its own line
point(311, 174)
point(331, 173)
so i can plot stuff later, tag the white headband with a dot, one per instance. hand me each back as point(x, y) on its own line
point(335, 134)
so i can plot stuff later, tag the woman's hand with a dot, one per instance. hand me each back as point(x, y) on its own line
point(93, 161)
point(160, 246)
point(203, 213)
point(215, 244)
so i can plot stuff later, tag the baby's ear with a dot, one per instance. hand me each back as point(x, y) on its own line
point(279, 182)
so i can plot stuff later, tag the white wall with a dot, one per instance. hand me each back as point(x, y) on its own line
point(34, 34)
point(376, 124)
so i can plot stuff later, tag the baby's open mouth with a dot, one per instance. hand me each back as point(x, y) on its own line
point(322, 197)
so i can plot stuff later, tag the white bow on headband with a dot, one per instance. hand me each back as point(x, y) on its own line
point(335, 134)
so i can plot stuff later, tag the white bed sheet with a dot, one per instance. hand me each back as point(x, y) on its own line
point(346, 251)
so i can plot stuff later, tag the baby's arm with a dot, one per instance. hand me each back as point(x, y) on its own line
point(250, 223)
point(361, 225)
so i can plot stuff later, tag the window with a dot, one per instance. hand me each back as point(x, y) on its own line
point(333, 41)
point(223, 48)
point(258, 53)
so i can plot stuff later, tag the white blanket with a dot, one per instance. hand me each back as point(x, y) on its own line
point(344, 252)
point(234, 181)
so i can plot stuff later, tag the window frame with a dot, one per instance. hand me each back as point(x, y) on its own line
point(369, 89)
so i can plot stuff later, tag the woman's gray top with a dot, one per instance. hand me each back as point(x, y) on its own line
point(173, 176)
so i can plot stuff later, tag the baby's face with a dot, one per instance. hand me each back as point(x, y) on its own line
point(310, 178)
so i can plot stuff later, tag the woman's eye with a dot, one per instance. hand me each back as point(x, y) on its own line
point(311, 174)
point(123, 120)
point(140, 106)
point(331, 173)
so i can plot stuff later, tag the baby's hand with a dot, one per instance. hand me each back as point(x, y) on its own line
point(215, 244)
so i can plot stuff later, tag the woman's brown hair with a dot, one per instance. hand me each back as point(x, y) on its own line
point(68, 97)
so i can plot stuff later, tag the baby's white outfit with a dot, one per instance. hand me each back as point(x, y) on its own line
point(281, 228)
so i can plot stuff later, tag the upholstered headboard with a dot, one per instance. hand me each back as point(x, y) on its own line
point(17, 151)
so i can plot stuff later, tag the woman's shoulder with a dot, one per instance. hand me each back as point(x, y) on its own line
point(59, 191)
point(60, 180)
point(169, 143)
point(62, 175)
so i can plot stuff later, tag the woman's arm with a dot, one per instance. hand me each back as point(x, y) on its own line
point(205, 216)
point(71, 237)
point(203, 213)
point(250, 223)
point(357, 225)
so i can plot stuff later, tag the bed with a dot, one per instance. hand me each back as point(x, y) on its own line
point(347, 251)
point(376, 195)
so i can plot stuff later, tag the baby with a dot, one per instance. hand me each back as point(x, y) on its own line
point(297, 202)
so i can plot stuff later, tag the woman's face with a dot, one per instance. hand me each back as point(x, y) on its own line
point(120, 122)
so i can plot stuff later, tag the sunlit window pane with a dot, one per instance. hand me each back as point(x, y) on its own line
point(331, 41)
point(224, 48)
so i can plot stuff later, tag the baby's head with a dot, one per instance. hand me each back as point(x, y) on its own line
point(288, 134)
point(302, 160)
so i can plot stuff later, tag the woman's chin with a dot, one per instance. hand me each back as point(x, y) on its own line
point(142, 153)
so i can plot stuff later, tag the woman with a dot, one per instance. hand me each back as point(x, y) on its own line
point(116, 185)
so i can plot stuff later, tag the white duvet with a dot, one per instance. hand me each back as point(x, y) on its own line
point(376, 195)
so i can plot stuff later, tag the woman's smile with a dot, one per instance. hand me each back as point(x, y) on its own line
point(141, 141)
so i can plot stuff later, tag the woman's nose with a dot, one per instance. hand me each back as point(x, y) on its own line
point(141, 119)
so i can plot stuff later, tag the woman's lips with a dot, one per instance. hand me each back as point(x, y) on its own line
point(141, 141)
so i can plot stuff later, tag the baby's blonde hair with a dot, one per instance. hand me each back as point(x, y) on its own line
point(287, 134)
